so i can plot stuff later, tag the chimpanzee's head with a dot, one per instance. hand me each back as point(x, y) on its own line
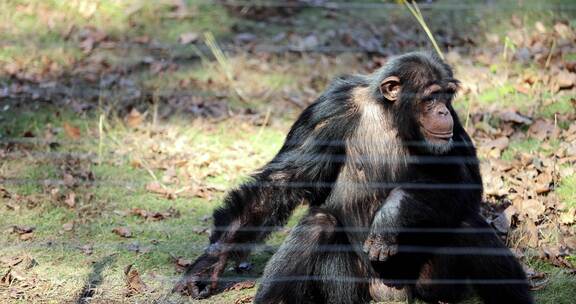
point(418, 88)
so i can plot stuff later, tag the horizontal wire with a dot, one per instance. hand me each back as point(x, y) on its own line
point(310, 141)
point(420, 230)
point(379, 5)
point(276, 185)
point(487, 281)
point(431, 230)
point(316, 157)
point(199, 249)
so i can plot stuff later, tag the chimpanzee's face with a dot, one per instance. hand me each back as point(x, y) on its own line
point(434, 116)
point(428, 107)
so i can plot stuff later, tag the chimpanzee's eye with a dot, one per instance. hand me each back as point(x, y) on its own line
point(430, 101)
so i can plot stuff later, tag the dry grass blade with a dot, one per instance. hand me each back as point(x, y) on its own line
point(223, 62)
point(415, 11)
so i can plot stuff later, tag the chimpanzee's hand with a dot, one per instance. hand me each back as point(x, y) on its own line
point(201, 278)
point(380, 247)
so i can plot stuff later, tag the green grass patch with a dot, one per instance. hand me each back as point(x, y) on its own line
point(567, 191)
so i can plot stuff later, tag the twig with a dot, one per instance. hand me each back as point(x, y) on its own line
point(101, 137)
point(552, 47)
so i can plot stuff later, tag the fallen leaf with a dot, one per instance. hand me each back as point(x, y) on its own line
point(244, 300)
point(156, 215)
point(26, 236)
point(187, 38)
point(71, 131)
point(68, 226)
point(10, 277)
point(22, 229)
point(70, 200)
point(68, 180)
point(500, 143)
point(513, 116)
point(87, 249)
point(136, 247)
point(565, 79)
point(123, 232)
point(533, 208)
point(134, 283)
point(156, 187)
point(541, 129)
point(12, 261)
point(242, 285)
point(568, 217)
point(134, 118)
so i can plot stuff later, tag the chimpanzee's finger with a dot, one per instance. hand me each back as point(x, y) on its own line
point(367, 245)
point(206, 291)
point(193, 289)
point(374, 252)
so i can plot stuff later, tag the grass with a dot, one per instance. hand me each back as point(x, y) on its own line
point(57, 252)
point(61, 262)
point(216, 154)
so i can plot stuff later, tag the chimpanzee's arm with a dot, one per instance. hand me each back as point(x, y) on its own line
point(304, 169)
point(404, 210)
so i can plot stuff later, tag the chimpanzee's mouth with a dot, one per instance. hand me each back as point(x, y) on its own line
point(439, 135)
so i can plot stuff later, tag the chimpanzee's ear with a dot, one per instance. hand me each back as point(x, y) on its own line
point(390, 88)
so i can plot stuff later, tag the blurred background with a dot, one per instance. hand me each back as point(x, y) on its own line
point(123, 122)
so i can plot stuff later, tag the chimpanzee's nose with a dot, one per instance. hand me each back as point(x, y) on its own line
point(443, 111)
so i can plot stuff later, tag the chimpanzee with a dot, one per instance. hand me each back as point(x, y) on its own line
point(394, 188)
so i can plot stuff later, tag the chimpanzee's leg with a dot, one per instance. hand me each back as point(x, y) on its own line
point(476, 257)
point(304, 169)
point(316, 264)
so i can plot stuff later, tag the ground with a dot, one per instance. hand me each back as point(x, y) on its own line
point(123, 123)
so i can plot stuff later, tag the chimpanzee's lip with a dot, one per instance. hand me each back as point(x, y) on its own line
point(440, 135)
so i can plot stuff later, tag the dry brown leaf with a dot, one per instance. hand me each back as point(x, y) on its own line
point(570, 242)
point(563, 30)
point(565, 79)
point(123, 232)
point(134, 118)
point(87, 249)
point(71, 131)
point(513, 116)
point(244, 300)
point(134, 283)
point(568, 217)
point(532, 234)
point(242, 285)
point(533, 208)
point(156, 187)
point(541, 129)
point(187, 38)
point(156, 215)
point(494, 185)
point(21, 229)
point(27, 236)
point(70, 200)
point(10, 277)
point(68, 180)
point(523, 88)
point(500, 165)
point(68, 226)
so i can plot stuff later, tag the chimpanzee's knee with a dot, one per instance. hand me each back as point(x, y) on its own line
point(315, 264)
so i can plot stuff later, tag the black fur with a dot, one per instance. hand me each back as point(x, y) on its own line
point(343, 156)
